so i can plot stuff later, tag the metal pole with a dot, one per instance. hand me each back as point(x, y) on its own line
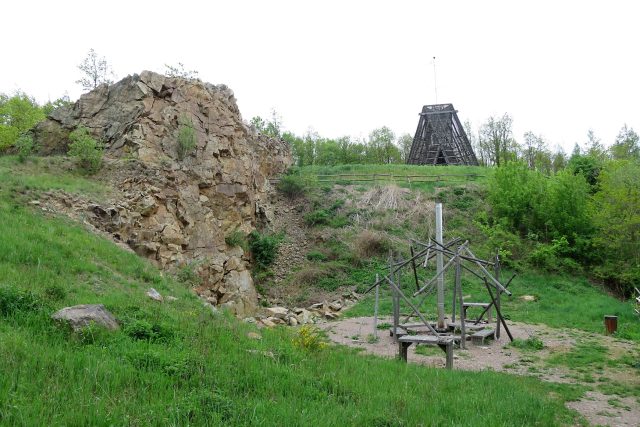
point(439, 267)
point(435, 84)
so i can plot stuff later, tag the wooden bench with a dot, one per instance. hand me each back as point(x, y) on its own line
point(482, 305)
point(445, 344)
point(480, 336)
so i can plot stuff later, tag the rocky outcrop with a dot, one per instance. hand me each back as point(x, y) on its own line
point(173, 211)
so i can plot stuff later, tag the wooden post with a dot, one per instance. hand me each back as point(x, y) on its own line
point(458, 287)
point(415, 271)
point(439, 264)
point(496, 269)
point(375, 311)
point(498, 313)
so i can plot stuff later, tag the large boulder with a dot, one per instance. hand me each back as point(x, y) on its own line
point(174, 211)
point(80, 316)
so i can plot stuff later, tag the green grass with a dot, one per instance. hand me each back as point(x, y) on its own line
point(179, 364)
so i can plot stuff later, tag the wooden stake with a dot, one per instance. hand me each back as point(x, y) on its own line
point(375, 311)
point(458, 290)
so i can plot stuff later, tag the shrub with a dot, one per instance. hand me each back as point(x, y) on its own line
point(316, 256)
point(85, 149)
point(369, 244)
point(317, 217)
point(236, 238)
point(24, 145)
point(186, 137)
point(187, 275)
point(291, 186)
point(263, 248)
point(309, 338)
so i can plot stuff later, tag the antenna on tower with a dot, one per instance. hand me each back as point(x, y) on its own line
point(435, 85)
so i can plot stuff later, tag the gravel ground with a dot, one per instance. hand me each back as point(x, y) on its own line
point(598, 408)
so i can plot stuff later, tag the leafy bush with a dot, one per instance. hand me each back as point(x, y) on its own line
point(147, 331)
point(186, 137)
point(264, 248)
point(25, 146)
point(85, 149)
point(291, 186)
point(18, 114)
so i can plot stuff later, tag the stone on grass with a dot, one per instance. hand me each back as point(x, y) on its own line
point(80, 316)
point(154, 295)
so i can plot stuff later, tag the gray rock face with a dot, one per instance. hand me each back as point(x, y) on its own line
point(175, 211)
point(80, 316)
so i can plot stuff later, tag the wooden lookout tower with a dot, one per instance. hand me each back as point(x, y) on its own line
point(440, 139)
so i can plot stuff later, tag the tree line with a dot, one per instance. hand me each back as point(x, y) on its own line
point(493, 143)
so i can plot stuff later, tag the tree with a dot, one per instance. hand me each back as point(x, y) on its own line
point(594, 147)
point(559, 160)
point(63, 101)
point(627, 145)
point(616, 213)
point(496, 138)
point(96, 71)
point(179, 71)
point(535, 153)
point(381, 147)
point(18, 114)
point(405, 142)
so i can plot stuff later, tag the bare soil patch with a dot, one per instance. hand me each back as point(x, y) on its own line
point(597, 407)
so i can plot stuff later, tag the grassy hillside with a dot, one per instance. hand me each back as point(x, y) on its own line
point(178, 363)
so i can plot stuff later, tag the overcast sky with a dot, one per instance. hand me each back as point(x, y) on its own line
point(559, 68)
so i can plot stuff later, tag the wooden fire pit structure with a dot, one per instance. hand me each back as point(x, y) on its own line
point(444, 333)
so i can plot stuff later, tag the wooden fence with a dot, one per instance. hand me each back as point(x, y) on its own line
point(388, 177)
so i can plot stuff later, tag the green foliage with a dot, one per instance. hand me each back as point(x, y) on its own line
point(316, 256)
point(529, 344)
point(25, 147)
point(188, 276)
point(87, 151)
point(317, 217)
point(616, 213)
point(18, 114)
point(236, 238)
point(50, 106)
point(187, 141)
point(206, 371)
point(264, 248)
point(13, 300)
point(291, 186)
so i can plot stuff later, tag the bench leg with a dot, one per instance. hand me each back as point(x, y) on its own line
point(448, 349)
point(403, 348)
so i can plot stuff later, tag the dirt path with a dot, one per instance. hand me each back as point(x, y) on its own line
point(598, 408)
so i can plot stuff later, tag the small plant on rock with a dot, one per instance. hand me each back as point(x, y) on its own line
point(186, 137)
point(86, 150)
